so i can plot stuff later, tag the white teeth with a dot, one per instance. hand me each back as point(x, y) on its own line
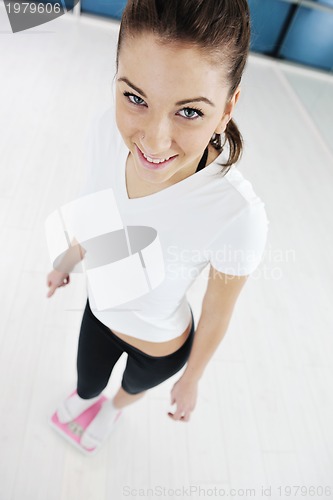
point(151, 160)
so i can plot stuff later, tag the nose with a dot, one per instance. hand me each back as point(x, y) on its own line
point(157, 136)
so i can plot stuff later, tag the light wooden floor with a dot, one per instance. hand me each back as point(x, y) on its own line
point(265, 407)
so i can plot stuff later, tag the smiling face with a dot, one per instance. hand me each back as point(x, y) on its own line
point(169, 103)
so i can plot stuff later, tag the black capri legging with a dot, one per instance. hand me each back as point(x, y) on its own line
point(99, 349)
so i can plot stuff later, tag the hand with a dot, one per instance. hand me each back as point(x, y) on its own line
point(56, 279)
point(184, 395)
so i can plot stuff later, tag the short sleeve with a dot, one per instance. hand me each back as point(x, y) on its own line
point(238, 248)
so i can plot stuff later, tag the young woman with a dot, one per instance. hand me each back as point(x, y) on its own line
point(179, 67)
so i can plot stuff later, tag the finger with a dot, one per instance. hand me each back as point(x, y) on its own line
point(178, 415)
point(172, 415)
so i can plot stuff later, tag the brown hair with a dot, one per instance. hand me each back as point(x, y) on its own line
point(220, 28)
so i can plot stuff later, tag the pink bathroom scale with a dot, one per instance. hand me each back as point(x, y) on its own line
point(72, 431)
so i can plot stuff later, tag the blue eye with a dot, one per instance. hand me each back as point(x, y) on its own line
point(139, 102)
point(193, 110)
point(128, 95)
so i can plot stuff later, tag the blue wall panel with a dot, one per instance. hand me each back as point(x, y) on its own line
point(310, 38)
point(267, 19)
point(108, 8)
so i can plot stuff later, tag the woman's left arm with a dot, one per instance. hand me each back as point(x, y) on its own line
point(217, 307)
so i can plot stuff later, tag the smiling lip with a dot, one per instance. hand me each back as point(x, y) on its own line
point(153, 166)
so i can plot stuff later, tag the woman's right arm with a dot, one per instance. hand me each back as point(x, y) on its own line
point(60, 276)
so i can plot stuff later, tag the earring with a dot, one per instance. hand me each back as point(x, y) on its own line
point(216, 140)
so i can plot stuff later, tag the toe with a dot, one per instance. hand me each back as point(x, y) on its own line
point(88, 441)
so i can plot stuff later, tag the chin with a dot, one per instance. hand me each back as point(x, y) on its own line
point(151, 176)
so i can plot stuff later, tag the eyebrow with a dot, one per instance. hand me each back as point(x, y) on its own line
point(179, 103)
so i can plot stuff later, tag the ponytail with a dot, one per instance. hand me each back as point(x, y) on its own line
point(235, 141)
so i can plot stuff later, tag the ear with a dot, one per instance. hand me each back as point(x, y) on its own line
point(228, 111)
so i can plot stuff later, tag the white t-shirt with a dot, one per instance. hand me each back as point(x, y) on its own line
point(205, 218)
